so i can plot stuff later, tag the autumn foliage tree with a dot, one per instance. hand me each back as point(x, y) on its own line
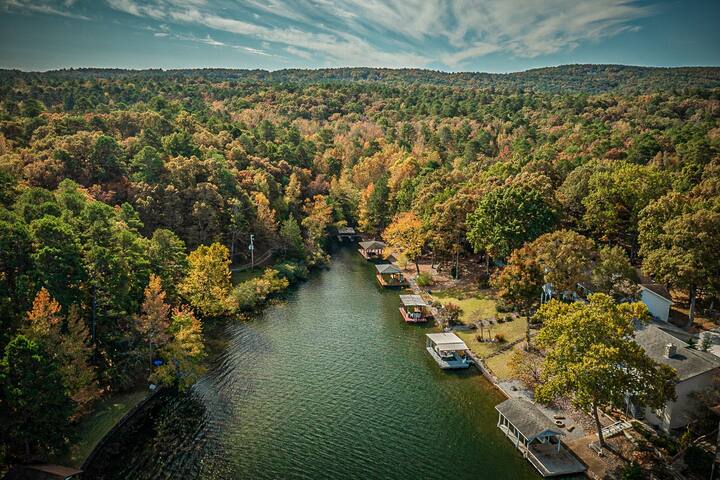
point(154, 319)
point(405, 234)
point(183, 353)
point(592, 357)
point(208, 284)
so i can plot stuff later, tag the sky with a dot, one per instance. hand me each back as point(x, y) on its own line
point(451, 35)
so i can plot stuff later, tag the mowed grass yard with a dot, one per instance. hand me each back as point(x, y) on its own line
point(514, 330)
point(479, 305)
point(92, 428)
point(500, 364)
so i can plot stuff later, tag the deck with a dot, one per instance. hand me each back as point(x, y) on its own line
point(448, 364)
point(370, 255)
point(409, 319)
point(387, 284)
point(546, 458)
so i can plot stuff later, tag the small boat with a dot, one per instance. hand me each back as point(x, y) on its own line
point(448, 350)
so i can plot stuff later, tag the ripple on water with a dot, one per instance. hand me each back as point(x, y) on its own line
point(328, 383)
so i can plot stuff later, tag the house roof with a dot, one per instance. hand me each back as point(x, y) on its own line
point(687, 361)
point(372, 245)
point(447, 341)
point(387, 268)
point(658, 289)
point(41, 471)
point(413, 301)
point(528, 419)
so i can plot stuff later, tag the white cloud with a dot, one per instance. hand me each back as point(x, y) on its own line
point(297, 52)
point(61, 9)
point(410, 33)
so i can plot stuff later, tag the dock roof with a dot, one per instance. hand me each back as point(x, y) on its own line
point(413, 301)
point(386, 268)
point(528, 419)
point(447, 341)
point(346, 231)
point(372, 245)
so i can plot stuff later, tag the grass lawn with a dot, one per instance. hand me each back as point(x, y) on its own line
point(473, 307)
point(478, 305)
point(514, 330)
point(241, 276)
point(499, 364)
point(95, 425)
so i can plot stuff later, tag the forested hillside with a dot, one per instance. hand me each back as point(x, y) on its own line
point(124, 196)
point(562, 79)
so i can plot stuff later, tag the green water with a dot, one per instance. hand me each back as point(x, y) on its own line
point(327, 384)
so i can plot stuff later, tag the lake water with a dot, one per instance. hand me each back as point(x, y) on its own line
point(329, 383)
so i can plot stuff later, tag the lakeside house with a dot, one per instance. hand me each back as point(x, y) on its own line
point(414, 309)
point(389, 275)
point(537, 437)
point(42, 472)
point(372, 249)
point(655, 296)
point(696, 370)
point(448, 350)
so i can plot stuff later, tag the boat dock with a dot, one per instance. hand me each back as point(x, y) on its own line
point(537, 437)
point(415, 309)
point(389, 275)
point(448, 350)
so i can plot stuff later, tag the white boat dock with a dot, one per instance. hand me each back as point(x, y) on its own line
point(448, 350)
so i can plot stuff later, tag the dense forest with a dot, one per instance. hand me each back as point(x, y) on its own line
point(126, 195)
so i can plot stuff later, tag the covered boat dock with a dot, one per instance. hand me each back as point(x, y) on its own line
point(389, 275)
point(448, 350)
point(372, 250)
point(347, 233)
point(537, 437)
point(415, 309)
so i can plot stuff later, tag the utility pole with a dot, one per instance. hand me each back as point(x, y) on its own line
point(251, 247)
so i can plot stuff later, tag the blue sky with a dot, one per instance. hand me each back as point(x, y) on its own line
point(451, 35)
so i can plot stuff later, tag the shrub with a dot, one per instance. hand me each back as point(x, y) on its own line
point(424, 279)
point(699, 461)
point(251, 293)
point(500, 338)
point(292, 271)
point(453, 313)
point(503, 307)
point(632, 471)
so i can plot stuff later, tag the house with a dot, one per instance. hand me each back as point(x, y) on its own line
point(389, 275)
point(42, 472)
point(657, 299)
point(696, 370)
point(414, 309)
point(372, 250)
point(537, 437)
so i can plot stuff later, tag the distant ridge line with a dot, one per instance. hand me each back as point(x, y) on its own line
point(574, 78)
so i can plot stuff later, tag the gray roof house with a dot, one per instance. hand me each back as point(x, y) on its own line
point(696, 370)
